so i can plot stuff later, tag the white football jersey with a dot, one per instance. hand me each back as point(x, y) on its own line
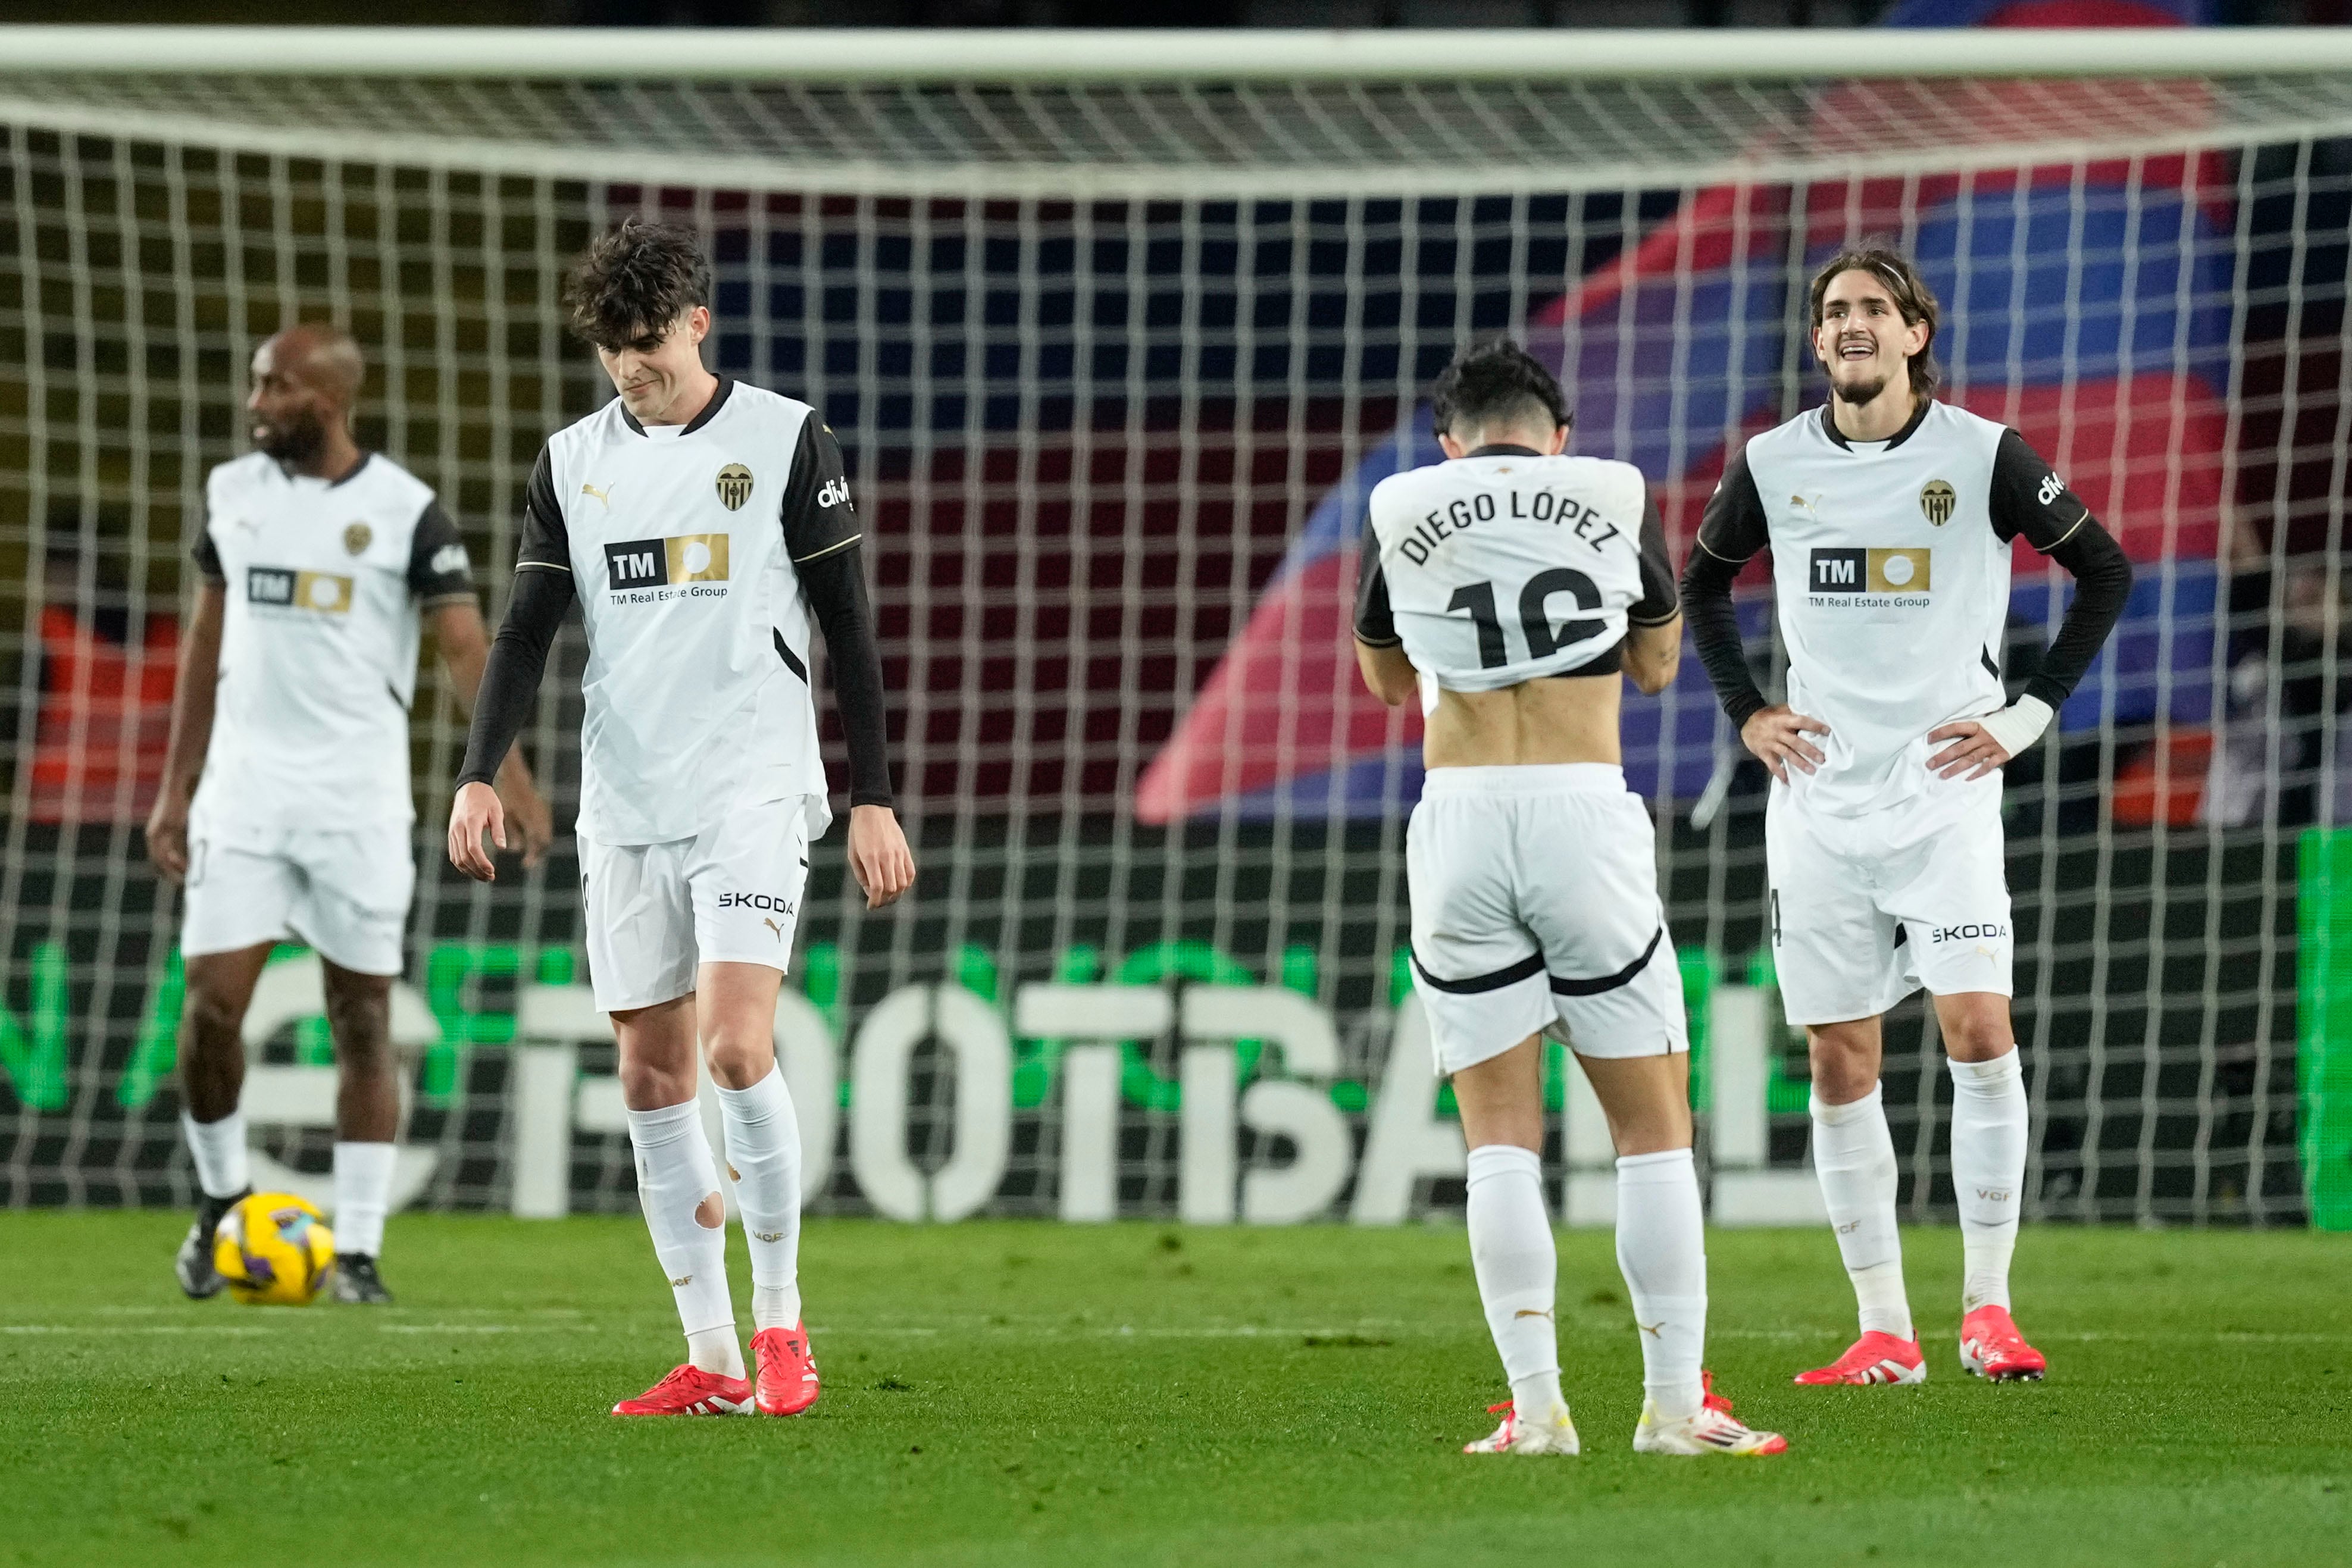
point(681, 541)
point(1504, 566)
point(1890, 575)
point(318, 659)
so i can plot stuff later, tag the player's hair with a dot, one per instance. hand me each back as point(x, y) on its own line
point(1492, 381)
point(634, 280)
point(1912, 296)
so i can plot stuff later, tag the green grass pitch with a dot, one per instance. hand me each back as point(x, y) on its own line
point(1035, 1393)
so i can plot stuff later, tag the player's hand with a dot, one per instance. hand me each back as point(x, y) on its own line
point(1974, 751)
point(1777, 736)
point(475, 809)
point(167, 835)
point(878, 856)
point(530, 821)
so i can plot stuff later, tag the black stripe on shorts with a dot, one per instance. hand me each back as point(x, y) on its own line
point(1623, 977)
point(1526, 968)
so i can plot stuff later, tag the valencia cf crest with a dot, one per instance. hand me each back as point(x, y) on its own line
point(1937, 499)
point(357, 537)
point(734, 487)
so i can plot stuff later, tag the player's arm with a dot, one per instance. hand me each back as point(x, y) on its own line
point(1729, 534)
point(442, 579)
point(1379, 652)
point(1653, 623)
point(2029, 499)
point(541, 597)
point(192, 716)
point(822, 536)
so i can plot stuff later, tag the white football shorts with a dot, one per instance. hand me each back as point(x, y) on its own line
point(345, 893)
point(730, 895)
point(1535, 909)
point(1864, 910)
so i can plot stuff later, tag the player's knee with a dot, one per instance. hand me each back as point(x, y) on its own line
point(359, 1014)
point(650, 1086)
point(1979, 1034)
point(740, 1060)
point(212, 1018)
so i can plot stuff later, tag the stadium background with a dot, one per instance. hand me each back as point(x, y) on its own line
point(1113, 453)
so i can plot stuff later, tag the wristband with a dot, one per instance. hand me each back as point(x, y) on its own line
point(2019, 725)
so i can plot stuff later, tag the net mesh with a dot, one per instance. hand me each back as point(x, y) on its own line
point(1116, 367)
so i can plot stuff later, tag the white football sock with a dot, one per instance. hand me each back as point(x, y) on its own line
point(362, 1196)
point(1988, 1138)
point(1662, 1249)
point(1853, 1153)
point(763, 1156)
point(219, 1151)
point(678, 1186)
point(1511, 1254)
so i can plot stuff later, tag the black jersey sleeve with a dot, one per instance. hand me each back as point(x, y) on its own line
point(438, 570)
point(1659, 603)
point(1732, 530)
point(511, 678)
point(835, 584)
point(208, 559)
point(818, 517)
point(1375, 621)
point(2028, 498)
point(546, 539)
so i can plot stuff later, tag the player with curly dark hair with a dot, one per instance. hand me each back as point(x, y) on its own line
point(704, 527)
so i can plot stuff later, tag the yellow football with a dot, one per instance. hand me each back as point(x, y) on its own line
point(274, 1249)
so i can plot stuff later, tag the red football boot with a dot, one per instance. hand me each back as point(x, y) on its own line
point(784, 1370)
point(1875, 1357)
point(1991, 1347)
point(691, 1391)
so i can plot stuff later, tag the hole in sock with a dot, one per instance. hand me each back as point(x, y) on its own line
point(711, 1213)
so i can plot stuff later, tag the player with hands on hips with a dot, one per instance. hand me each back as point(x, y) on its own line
point(1892, 518)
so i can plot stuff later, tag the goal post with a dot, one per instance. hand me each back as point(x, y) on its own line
point(1118, 332)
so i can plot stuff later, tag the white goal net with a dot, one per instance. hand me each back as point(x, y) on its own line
point(1117, 336)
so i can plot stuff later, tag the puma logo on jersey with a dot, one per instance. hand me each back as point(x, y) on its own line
point(834, 494)
point(604, 494)
point(1808, 503)
point(2051, 488)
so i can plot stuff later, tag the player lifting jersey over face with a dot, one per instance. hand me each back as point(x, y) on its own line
point(1891, 517)
point(1513, 589)
point(704, 527)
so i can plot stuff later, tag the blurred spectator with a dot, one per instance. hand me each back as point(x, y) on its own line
point(2289, 636)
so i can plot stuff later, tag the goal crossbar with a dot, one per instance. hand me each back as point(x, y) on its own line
point(1066, 55)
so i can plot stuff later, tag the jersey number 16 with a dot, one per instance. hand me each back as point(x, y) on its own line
point(1543, 638)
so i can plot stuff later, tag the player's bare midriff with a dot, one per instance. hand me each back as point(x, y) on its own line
point(1558, 719)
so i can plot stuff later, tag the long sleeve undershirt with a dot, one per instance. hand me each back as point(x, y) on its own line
point(2025, 500)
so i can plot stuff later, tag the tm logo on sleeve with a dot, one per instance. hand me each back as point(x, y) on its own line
point(1855, 570)
point(662, 564)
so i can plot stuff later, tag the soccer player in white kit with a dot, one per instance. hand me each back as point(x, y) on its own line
point(700, 524)
point(285, 805)
point(1891, 517)
point(1514, 589)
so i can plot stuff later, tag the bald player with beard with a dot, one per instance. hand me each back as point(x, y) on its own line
point(285, 809)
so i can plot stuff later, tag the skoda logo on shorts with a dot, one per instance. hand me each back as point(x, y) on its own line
point(734, 487)
point(1937, 499)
